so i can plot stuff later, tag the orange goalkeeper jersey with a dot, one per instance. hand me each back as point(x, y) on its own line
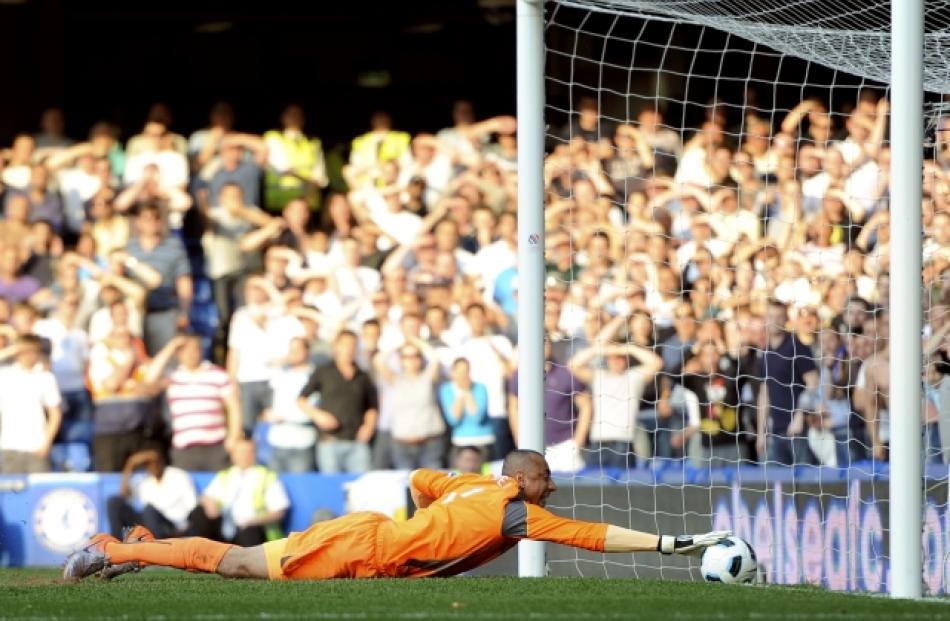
point(474, 519)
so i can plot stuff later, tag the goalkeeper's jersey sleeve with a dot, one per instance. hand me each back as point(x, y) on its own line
point(527, 521)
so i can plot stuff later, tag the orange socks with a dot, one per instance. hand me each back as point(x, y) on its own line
point(194, 553)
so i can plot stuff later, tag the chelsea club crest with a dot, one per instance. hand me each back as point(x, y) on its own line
point(64, 519)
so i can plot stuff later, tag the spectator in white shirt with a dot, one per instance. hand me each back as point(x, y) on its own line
point(16, 171)
point(430, 163)
point(159, 152)
point(492, 360)
point(352, 280)
point(30, 412)
point(258, 339)
point(68, 360)
point(165, 494)
point(729, 221)
point(292, 434)
point(616, 391)
point(495, 258)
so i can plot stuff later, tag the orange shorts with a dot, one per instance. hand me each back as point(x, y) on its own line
point(340, 548)
point(273, 552)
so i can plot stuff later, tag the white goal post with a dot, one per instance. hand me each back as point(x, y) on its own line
point(897, 47)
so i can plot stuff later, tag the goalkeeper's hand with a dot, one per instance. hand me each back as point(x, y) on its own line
point(691, 544)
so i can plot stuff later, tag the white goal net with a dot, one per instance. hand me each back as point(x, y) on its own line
point(717, 217)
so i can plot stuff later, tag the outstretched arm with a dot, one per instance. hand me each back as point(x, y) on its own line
point(528, 521)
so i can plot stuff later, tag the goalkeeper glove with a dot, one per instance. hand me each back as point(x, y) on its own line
point(689, 544)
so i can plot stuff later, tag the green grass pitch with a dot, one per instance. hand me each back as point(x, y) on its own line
point(159, 595)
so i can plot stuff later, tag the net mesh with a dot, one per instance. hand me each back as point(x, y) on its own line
point(850, 35)
point(718, 276)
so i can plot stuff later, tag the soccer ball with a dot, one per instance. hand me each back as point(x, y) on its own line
point(731, 560)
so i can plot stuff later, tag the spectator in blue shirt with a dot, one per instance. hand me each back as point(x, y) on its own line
point(786, 370)
point(168, 305)
point(465, 406)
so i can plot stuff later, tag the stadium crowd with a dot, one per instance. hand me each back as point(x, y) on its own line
point(718, 293)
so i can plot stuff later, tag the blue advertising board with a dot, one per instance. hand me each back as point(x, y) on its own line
point(43, 517)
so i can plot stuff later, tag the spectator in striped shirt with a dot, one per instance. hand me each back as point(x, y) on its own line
point(203, 403)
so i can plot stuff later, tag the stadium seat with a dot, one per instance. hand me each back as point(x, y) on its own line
point(71, 457)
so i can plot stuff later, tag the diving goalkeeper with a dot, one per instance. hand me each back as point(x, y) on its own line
point(462, 522)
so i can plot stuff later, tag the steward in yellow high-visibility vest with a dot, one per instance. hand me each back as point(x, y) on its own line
point(261, 478)
point(379, 145)
point(295, 164)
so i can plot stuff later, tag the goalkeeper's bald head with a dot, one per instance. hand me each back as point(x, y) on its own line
point(530, 469)
point(519, 459)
